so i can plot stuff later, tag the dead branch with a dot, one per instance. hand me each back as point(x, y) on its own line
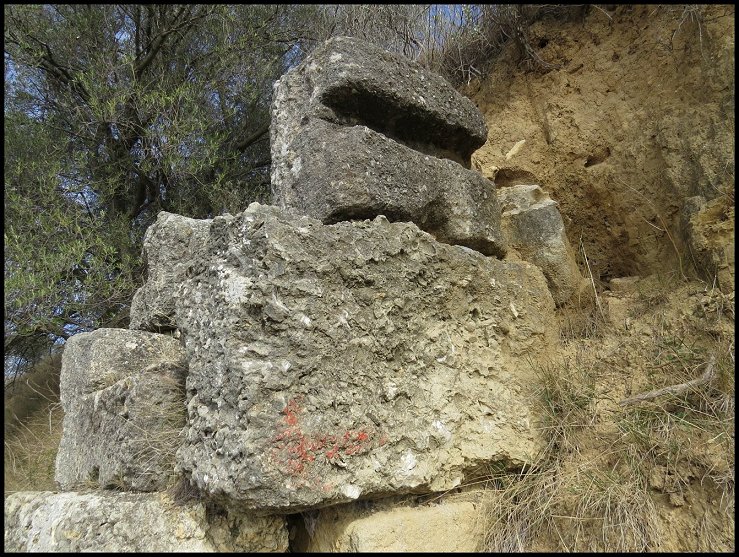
point(707, 377)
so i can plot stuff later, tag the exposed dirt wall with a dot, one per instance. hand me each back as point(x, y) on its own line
point(633, 135)
point(638, 117)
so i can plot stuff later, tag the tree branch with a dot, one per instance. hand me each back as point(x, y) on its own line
point(158, 41)
point(707, 377)
point(253, 138)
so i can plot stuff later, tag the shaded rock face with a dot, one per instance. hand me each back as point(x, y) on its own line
point(533, 226)
point(345, 145)
point(168, 243)
point(123, 397)
point(357, 359)
point(130, 522)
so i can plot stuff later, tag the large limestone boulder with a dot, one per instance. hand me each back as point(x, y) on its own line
point(168, 243)
point(358, 132)
point(123, 394)
point(452, 524)
point(334, 362)
point(131, 522)
point(532, 225)
point(378, 176)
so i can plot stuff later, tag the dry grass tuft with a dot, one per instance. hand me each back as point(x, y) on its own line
point(577, 505)
point(33, 427)
point(31, 392)
point(607, 467)
point(163, 419)
point(30, 451)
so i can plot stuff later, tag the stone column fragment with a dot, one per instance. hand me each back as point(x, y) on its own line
point(43, 521)
point(533, 226)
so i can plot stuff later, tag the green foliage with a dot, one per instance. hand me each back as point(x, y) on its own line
point(112, 113)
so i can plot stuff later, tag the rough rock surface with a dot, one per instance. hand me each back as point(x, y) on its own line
point(354, 172)
point(167, 243)
point(533, 226)
point(357, 359)
point(453, 524)
point(619, 144)
point(43, 521)
point(345, 144)
point(708, 231)
point(123, 397)
point(346, 80)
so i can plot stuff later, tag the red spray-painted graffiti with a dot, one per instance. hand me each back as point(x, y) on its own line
point(293, 449)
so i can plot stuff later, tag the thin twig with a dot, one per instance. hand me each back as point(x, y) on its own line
point(707, 377)
point(653, 225)
point(664, 224)
point(602, 10)
point(592, 280)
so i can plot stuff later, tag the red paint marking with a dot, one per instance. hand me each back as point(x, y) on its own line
point(291, 410)
point(293, 449)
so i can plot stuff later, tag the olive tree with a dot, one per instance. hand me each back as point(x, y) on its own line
point(113, 113)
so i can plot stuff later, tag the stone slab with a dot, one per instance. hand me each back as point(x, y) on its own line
point(329, 363)
point(357, 132)
point(123, 396)
point(451, 525)
point(167, 243)
point(347, 80)
point(532, 225)
point(130, 522)
point(344, 173)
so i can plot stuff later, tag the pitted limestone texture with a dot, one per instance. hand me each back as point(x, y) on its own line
point(381, 177)
point(167, 243)
point(333, 362)
point(43, 521)
point(123, 394)
point(533, 226)
point(345, 145)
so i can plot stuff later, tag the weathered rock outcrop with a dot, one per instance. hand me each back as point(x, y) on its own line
point(168, 243)
point(357, 359)
point(533, 226)
point(358, 132)
point(123, 397)
point(325, 361)
point(449, 525)
point(708, 232)
point(131, 522)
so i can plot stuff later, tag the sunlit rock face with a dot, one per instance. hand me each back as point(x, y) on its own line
point(332, 362)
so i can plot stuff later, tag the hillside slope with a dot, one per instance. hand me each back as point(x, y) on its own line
point(633, 135)
point(638, 118)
